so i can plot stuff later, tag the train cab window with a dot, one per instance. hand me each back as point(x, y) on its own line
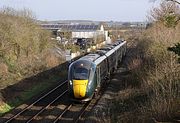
point(92, 71)
point(80, 73)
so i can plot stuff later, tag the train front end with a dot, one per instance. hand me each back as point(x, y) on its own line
point(81, 84)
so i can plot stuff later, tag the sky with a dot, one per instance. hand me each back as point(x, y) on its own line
point(97, 10)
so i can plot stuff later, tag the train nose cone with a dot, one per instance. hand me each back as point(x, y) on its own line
point(79, 88)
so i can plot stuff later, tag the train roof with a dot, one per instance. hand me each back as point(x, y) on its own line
point(121, 43)
point(105, 48)
point(102, 53)
point(108, 50)
point(91, 57)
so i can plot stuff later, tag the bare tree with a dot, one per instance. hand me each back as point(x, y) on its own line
point(175, 1)
point(167, 13)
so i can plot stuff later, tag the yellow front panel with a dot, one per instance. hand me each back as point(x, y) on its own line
point(79, 87)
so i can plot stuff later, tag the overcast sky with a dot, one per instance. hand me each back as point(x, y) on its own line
point(116, 10)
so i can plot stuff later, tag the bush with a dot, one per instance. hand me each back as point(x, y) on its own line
point(22, 45)
point(161, 73)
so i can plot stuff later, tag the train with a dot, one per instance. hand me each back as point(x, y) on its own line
point(88, 74)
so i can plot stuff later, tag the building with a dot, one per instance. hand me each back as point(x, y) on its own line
point(77, 31)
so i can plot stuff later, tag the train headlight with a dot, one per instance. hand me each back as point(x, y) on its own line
point(70, 82)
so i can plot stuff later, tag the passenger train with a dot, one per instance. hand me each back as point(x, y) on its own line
point(88, 74)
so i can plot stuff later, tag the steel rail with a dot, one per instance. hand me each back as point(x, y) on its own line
point(47, 106)
point(28, 107)
point(65, 110)
point(82, 111)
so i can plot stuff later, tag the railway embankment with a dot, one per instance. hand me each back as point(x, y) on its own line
point(27, 58)
point(27, 88)
point(131, 97)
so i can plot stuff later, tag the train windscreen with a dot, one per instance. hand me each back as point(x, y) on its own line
point(81, 73)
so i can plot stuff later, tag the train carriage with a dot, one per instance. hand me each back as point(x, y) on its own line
point(89, 73)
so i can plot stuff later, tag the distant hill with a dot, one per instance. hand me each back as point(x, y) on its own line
point(90, 22)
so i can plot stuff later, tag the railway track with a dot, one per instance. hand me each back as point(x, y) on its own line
point(74, 113)
point(49, 111)
point(32, 111)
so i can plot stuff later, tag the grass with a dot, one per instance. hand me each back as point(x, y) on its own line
point(40, 82)
point(34, 91)
point(28, 94)
point(6, 107)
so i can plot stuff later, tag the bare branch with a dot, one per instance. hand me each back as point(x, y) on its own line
point(174, 1)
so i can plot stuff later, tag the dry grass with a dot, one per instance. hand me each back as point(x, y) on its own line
point(3, 70)
point(164, 75)
point(155, 75)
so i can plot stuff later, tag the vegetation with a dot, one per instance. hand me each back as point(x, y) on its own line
point(154, 72)
point(99, 39)
point(22, 44)
point(163, 72)
point(25, 50)
point(73, 48)
point(176, 50)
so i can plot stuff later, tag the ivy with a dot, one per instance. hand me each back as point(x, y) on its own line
point(171, 21)
point(176, 50)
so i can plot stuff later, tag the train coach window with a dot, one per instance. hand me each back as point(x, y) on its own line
point(81, 74)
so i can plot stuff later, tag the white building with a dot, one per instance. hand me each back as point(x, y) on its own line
point(85, 31)
point(79, 30)
point(88, 31)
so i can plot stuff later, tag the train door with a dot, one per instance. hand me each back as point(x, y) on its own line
point(125, 47)
point(117, 58)
point(121, 51)
point(98, 76)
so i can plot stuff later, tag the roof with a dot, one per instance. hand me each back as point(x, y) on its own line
point(71, 27)
point(103, 53)
point(90, 57)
